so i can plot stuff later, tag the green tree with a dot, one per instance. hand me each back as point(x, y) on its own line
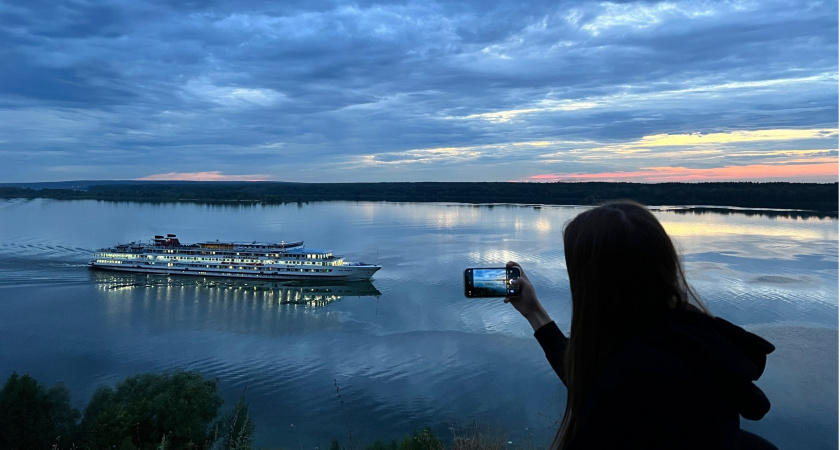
point(424, 440)
point(148, 411)
point(379, 445)
point(236, 430)
point(34, 417)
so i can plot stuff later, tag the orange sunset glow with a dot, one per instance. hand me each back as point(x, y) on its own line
point(821, 172)
point(202, 176)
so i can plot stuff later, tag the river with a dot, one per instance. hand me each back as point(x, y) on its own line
point(365, 361)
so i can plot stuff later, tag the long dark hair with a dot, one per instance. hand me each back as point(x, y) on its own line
point(624, 272)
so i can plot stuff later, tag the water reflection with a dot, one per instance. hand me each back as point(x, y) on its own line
point(308, 293)
point(418, 354)
point(768, 213)
point(766, 232)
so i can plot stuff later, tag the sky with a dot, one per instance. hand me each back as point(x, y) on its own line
point(473, 90)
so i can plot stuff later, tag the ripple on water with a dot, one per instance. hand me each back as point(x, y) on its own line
point(43, 249)
point(36, 263)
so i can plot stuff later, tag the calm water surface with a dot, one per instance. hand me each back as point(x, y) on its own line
point(366, 361)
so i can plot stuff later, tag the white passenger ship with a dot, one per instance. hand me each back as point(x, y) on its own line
point(270, 261)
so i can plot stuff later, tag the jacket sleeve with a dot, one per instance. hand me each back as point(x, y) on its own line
point(553, 343)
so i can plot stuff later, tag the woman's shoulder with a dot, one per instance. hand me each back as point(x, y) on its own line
point(687, 353)
point(691, 335)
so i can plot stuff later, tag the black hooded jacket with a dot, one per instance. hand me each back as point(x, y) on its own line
point(683, 384)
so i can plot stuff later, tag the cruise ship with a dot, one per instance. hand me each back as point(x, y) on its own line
point(166, 255)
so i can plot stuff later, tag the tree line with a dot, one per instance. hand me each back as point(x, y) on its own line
point(821, 197)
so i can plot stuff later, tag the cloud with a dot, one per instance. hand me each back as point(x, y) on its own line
point(232, 96)
point(735, 137)
point(370, 91)
point(733, 143)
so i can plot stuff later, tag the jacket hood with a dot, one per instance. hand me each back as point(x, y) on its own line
point(734, 357)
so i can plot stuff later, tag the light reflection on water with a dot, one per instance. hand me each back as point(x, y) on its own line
point(407, 349)
point(269, 294)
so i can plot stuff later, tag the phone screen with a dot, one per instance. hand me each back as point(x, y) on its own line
point(490, 282)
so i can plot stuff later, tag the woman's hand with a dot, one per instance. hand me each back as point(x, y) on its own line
point(527, 302)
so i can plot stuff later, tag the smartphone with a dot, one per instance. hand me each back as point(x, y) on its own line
point(490, 282)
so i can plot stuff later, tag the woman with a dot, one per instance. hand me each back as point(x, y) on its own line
point(646, 365)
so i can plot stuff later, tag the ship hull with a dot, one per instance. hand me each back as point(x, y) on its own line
point(255, 261)
point(350, 274)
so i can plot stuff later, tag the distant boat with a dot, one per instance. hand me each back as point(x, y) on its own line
point(255, 260)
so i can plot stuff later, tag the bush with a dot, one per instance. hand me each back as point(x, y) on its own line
point(424, 440)
point(379, 445)
point(33, 417)
point(150, 411)
point(236, 430)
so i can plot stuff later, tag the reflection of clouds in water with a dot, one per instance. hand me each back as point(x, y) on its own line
point(800, 232)
point(751, 290)
point(754, 237)
point(754, 247)
point(489, 315)
point(714, 272)
point(497, 257)
point(540, 219)
point(441, 373)
point(542, 225)
point(775, 279)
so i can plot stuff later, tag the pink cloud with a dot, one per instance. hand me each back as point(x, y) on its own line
point(815, 173)
point(202, 176)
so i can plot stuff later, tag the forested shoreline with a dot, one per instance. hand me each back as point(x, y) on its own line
point(819, 197)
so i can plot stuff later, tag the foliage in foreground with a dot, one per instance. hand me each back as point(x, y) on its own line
point(147, 411)
point(159, 411)
point(236, 430)
point(468, 438)
point(423, 440)
point(32, 416)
